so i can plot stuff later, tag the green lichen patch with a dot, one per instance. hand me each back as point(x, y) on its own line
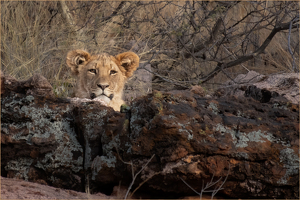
point(158, 94)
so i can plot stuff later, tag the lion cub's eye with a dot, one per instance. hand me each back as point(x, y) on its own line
point(112, 72)
point(92, 71)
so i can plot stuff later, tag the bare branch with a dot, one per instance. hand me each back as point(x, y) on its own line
point(135, 175)
point(243, 59)
point(289, 42)
point(209, 185)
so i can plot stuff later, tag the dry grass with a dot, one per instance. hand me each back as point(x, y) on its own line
point(36, 36)
point(31, 44)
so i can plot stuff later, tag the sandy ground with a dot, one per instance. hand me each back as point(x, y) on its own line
point(19, 189)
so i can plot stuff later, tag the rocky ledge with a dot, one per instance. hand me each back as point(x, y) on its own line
point(168, 144)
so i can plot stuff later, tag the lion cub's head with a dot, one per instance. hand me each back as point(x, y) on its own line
point(102, 76)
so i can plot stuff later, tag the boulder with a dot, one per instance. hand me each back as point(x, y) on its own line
point(168, 144)
point(254, 145)
point(263, 87)
point(140, 84)
point(38, 140)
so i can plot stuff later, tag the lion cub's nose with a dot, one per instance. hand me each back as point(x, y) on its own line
point(102, 86)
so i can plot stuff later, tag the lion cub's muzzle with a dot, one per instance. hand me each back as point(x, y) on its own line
point(102, 87)
point(93, 96)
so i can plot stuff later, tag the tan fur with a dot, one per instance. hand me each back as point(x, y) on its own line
point(102, 71)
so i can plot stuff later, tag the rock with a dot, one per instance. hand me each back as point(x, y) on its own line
point(197, 89)
point(140, 84)
point(193, 138)
point(164, 139)
point(39, 142)
point(264, 87)
point(38, 137)
point(37, 85)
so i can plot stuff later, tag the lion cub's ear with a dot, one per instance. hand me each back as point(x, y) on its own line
point(75, 58)
point(129, 61)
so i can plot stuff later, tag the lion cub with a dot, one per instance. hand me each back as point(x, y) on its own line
point(102, 76)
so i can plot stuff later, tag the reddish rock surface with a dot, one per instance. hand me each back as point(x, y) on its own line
point(252, 147)
point(194, 137)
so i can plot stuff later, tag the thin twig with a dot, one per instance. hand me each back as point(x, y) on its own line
point(134, 176)
point(209, 185)
point(143, 183)
point(289, 44)
point(220, 187)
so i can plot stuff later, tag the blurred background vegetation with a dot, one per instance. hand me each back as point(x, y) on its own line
point(186, 42)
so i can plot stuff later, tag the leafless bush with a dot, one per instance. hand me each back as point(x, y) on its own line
point(209, 185)
point(196, 41)
point(134, 176)
point(186, 42)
